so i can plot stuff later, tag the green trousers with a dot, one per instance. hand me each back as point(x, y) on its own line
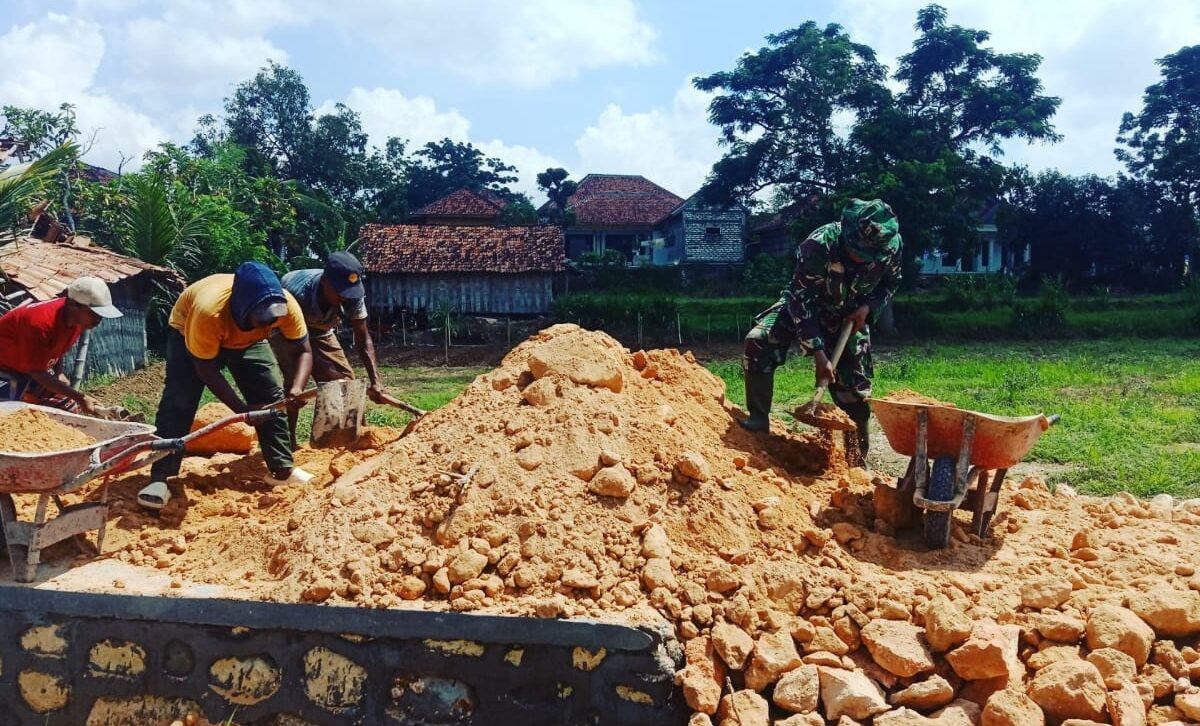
point(256, 375)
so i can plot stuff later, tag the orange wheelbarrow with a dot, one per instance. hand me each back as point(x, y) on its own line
point(965, 447)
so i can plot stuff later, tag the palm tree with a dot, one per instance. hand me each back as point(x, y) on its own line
point(21, 184)
point(151, 229)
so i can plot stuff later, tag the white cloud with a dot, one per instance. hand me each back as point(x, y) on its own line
point(387, 112)
point(1098, 57)
point(529, 44)
point(35, 78)
point(674, 147)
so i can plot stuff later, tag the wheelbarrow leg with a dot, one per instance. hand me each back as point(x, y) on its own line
point(987, 499)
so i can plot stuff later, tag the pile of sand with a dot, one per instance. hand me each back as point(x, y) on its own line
point(581, 479)
point(30, 431)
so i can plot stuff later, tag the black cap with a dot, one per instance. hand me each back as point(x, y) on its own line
point(345, 273)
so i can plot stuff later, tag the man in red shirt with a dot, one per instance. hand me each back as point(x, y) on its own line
point(34, 338)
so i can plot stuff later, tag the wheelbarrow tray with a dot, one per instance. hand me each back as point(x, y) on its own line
point(26, 472)
point(1000, 441)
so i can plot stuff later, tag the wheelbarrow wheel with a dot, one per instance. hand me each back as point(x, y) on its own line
point(940, 489)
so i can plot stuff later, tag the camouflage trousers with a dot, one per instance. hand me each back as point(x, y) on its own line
point(766, 348)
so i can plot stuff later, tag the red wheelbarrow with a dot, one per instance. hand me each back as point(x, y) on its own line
point(965, 447)
point(119, 446)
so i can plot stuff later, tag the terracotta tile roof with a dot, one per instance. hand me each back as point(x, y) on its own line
point(465, 203)
point(46, 268)
point(615, 200)
point(462, 248)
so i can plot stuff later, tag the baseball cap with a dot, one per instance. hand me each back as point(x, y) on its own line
point(345, 273)
point(92, 292)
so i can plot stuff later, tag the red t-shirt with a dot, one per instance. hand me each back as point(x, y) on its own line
point(33, 337)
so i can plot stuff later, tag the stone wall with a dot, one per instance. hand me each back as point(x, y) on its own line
point(105, 660)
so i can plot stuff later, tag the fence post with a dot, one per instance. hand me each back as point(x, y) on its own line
point(640, 330)
point(447, 336)
point(678, 328)
point(737, 326)
point(403, 330)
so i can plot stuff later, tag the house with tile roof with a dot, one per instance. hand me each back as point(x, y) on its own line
point(465, 268)
point(648, 224)
point(462, 207)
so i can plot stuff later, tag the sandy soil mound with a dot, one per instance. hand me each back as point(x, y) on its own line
point(581, 479)
point(31, 431)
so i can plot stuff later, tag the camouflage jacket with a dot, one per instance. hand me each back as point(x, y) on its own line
point(826, 285)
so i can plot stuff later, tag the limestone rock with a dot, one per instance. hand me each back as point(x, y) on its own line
point(945, 624)
point(1189, 705)
point(849, 693)
point(802, 719)
point(984, 654)
point(465, 566)
point(1059, 626)
point(703, 677)
point(579, 579)
point(1111, 626)
point(655, 542)
point(1172, 613)
point(658, 573)
point(798, 690)
point(693, 465)
point(1070, 689)
point(774, 654)
point(904, 717)
point(236, 438)
point(732, 644)
point(894, 507)
point(744, 708)
point(897, 647)
point(613, 481)
point(958, 713)
point(1115, 667)
point(1011, 707)
point(825, 639)
point(1125, 706)
point(925, 695)
point(1045, 592)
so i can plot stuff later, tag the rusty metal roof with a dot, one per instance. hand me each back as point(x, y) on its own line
point(45, 269)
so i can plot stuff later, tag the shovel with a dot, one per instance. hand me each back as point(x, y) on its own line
point(405, 406)
point(338, 413)
point(835, 419)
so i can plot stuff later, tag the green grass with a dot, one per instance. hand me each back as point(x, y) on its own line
point(1130, 408)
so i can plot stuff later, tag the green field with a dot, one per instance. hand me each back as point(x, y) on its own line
point(1130, 408)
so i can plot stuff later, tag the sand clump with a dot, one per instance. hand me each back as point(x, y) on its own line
point(905, 395)
point(582, 479)
point(30, 431)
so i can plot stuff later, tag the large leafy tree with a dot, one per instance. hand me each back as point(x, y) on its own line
point(809, 116)
point(779, 109)
point(441, 167)
point(24, 185)
point(1162, 141)
point(557, 185)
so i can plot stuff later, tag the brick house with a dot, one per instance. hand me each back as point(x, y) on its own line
point(462, 207)
point(648, 224)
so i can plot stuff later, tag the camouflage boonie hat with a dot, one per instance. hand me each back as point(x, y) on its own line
point(870, 229)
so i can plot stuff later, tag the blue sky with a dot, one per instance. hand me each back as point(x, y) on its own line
point(590, 85)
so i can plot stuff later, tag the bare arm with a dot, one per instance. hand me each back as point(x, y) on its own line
point(366, 353)
point(304, 364)
point(210, 372)
point(51, 381)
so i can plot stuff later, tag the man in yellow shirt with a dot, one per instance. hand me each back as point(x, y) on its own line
point(223, 321)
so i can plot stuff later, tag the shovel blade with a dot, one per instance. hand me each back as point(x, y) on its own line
point(338, 413)
point(825, 416)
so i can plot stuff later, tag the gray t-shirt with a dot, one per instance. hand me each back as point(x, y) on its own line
point(305, 286)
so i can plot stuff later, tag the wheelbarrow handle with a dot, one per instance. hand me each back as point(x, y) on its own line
point(1052, 419)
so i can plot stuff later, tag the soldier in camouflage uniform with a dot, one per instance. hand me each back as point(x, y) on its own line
point(845, 270)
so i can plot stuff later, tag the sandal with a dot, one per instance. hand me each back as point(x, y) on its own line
point(154, 496)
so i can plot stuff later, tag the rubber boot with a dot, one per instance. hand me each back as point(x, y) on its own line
point(760, 388)
point(860, 413)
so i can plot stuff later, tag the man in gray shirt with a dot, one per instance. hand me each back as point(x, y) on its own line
point(328, 297)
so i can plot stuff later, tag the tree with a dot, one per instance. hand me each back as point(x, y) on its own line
point(929, 150)
point(1162, 142)
point(21, 186)
point(441, 167)
point(559, 188)
point(153, 230)
point(37, 132)
point(519, 209)
point(778, 112)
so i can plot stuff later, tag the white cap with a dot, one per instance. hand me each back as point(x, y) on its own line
point(92, 291)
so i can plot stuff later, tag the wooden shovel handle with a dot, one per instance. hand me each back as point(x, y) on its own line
point(837, 356)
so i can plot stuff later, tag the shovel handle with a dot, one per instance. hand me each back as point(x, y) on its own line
point(393, 401)
point(837, 356)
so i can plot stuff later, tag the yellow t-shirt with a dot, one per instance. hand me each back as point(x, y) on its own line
point(202, 314)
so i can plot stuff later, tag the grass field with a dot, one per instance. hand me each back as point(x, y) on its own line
point(1130, 408)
